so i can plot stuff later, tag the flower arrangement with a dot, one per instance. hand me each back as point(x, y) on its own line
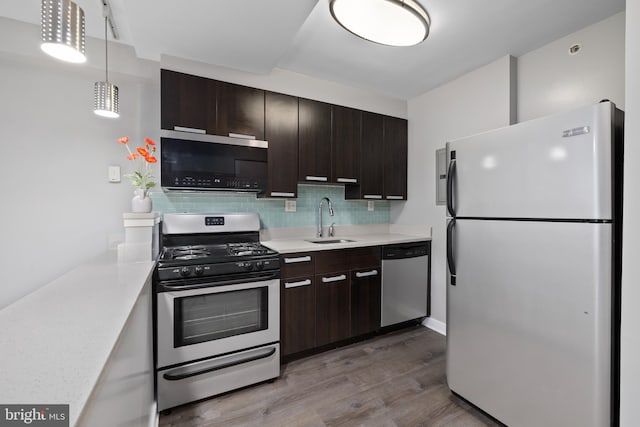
point(142, 177)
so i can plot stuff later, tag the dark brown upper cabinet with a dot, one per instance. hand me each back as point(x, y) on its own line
point(314, 143)
point(281, 131)
point(187, 101)
point(345, 144)
point(240, 110)
point(372, 160)
point(395, 155)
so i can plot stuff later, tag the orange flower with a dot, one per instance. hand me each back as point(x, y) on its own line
point(133, 156)
point(149, 141)
point(151, 159)
point(123, 140)
point(143, 152)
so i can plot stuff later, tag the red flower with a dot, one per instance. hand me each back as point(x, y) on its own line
point(123, 140)
point(143, 152)
point(133, 156)
point(151, 159)
point(149, 141)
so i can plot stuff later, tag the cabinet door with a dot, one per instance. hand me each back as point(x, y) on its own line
point(395, 154)
point(345, 144)
point(281, 131)
point(298, 315)
point(314, 142)
point(240, 110)
point(372, 160)
point(365, 300)
point(333, 303)
point(187, 101)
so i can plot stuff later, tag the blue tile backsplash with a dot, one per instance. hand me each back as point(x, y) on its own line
point(272, 214)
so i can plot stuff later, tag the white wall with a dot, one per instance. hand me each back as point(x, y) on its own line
point(630, 359)
point(478, 101)
point(550, 80)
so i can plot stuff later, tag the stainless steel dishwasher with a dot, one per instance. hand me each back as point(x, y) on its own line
point(406, 284)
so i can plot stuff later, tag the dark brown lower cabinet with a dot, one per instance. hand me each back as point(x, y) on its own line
point(298, 315)
point(333, 301)
point(366, 288)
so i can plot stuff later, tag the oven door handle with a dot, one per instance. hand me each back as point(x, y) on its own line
point(226, 362)
point(165, 287)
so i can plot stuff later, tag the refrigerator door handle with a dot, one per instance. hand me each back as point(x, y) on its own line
point(450, 172)
point(450, 259)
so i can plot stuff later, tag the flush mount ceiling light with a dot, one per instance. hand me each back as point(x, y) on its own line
point(105, 93)
point(388, 22)
point(63, 30)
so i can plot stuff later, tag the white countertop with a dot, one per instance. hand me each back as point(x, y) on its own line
point(55, 341)
point(291, 245)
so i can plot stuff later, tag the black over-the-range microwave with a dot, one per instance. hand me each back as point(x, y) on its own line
point(194, 161)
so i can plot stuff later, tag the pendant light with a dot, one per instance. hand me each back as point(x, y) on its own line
point(63, 30)
point(387, 22)
point(105, 93)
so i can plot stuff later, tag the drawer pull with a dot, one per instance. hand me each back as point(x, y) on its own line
point(288, 285)
point(373, 196)
point(348, 180)
point(281, 194)
point(334, 279)
point(298, 259)
point(367, 273)
point(186, 129)
point(395, 197)
point(315, 178)
point(242, 136)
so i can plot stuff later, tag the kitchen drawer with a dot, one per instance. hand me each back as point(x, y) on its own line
point(297, 265)
point(347, 259)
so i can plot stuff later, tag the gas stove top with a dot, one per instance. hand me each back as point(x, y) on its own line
point(198, 245)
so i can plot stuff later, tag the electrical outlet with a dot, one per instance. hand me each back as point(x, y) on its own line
point(370, 205)
point(289, 205)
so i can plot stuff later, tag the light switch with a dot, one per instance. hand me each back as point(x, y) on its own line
point(370, 205)
point(114, 173)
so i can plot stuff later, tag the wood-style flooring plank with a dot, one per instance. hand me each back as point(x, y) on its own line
point(395, 380)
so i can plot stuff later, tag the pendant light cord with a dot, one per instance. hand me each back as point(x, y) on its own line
point(106, 52)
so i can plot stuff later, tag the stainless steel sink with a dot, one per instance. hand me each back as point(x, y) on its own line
point(328, 241)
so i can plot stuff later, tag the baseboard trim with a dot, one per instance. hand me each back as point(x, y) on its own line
point(436, 325)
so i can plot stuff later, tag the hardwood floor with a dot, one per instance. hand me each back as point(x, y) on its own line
point(397, 379)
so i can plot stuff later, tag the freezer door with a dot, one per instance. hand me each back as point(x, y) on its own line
point(529, 321)
point(553, 167)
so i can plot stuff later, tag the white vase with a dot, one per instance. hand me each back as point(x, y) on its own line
point(141, 201)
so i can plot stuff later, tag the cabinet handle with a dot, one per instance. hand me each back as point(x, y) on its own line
point(372, 196)
point(395, 197)
point(367, 273)
point(334, 279)
point(186, 129)
point(288, 285)
point(282, 194)
point(240, 135)
point(348, 180)
point(298, 259)
point(315, 178)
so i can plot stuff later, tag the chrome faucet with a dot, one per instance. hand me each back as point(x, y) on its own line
point(320, 213)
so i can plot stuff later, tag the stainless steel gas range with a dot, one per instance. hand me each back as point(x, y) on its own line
point(218, 307)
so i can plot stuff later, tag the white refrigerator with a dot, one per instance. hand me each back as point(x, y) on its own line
point(533, 253)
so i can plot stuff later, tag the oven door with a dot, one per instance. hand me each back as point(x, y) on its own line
point(217, 319)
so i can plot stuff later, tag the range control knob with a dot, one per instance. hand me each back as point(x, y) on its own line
point(198, 270)
point(249, 266)
point(185, 271)
point(259, 265)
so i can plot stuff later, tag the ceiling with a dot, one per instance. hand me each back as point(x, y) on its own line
point(300, 35)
